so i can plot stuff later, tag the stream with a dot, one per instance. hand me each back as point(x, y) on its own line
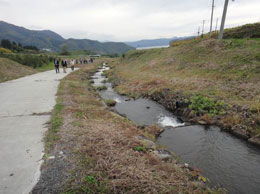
point(225, 160)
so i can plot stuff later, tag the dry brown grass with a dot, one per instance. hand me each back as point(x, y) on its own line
point(102, 144)
point(11, 70)
point(228, 70)
point(223, 70)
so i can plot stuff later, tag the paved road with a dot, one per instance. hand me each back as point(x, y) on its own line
point(21, 131)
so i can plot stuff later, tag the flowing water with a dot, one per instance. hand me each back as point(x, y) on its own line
point(226, 160)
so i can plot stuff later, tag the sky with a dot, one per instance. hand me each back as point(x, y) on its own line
point(125, 20)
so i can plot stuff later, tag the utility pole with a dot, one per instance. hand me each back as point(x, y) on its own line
point(203, 28)
point(220, 37)
point(212, 14)
point(216, 25)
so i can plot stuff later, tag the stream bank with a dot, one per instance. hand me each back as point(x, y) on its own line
point(175, 102)
point(224, 159)
point(92, 150)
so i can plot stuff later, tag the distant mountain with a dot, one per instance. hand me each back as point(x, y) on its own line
point(98, 47)
point(47, 39)
point(155, 42)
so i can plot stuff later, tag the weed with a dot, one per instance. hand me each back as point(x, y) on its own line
point(91, 180)
point(140, 148)
point(56, 122)
point(205, 105)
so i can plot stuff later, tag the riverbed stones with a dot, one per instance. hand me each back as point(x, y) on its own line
point(163, 155)
point(255, 140)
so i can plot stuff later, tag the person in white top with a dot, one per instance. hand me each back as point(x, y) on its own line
point(72, 63)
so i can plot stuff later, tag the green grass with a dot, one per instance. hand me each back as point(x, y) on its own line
point(56, 122)
point(47, 67)
point(140, 149)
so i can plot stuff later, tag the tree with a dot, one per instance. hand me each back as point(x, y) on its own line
point(6, 44)
point(64, 50)
point(34, 48)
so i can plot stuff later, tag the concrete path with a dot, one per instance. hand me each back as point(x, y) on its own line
point(21, 131)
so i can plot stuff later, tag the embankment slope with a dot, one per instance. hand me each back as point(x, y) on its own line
point(11, 70)
point(224, 74)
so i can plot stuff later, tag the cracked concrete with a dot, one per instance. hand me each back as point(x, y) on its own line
point(25, 106)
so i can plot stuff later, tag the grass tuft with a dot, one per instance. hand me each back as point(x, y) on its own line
point(100, 88)
point(110, 102)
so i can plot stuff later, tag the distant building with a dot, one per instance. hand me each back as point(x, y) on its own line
point(46, 50)
point(95, 56)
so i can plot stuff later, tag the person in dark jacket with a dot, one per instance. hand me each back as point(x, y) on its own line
point(64, 65)
point(57, 66)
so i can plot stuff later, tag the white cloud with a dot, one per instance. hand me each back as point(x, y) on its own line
point(123, 20)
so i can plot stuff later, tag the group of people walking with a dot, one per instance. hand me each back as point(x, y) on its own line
point(64, 64)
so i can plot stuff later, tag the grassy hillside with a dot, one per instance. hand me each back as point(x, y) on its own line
point(240, 32)
point(226, 71)
point(245, 31)
point(199, 66)
point(11, 70)
point(41, 39)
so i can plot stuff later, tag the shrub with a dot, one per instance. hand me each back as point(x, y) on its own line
point(31, 60)
point(4, 50)
point(64, 50)
point(205, 105)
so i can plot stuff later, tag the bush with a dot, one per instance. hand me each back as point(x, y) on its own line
point(205, 105)
point(28, 60)
point(64, 50)
point(34, 48)
point(4, 50)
